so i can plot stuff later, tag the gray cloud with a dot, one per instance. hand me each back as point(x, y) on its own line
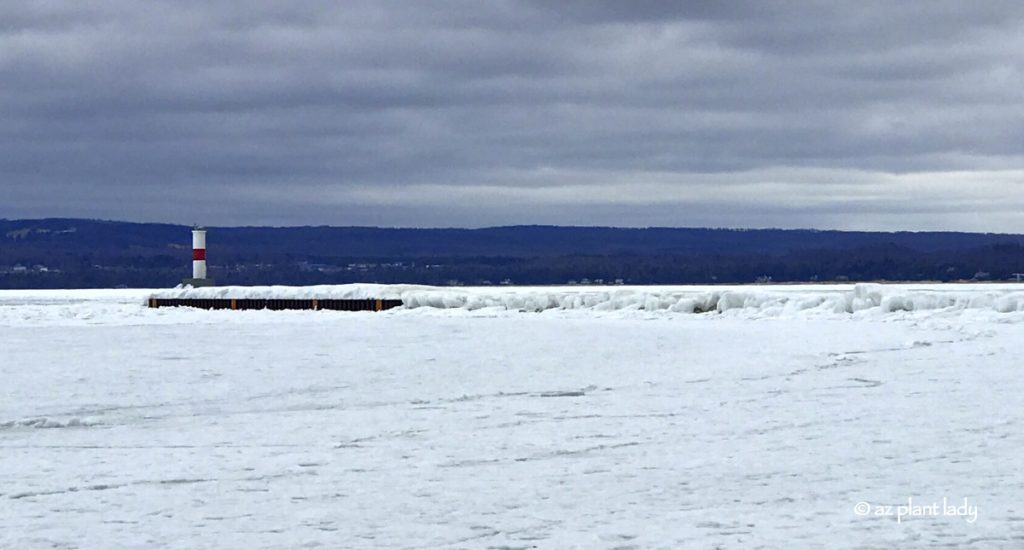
point(866, 115)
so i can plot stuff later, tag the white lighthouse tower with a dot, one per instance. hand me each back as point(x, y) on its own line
point(198, 259)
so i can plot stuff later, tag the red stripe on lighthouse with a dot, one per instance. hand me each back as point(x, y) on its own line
point(199, 254)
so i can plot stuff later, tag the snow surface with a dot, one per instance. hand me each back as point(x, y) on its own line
point(611, 419)
point(766, 300)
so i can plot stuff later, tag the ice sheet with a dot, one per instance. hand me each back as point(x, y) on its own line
point(128, 427)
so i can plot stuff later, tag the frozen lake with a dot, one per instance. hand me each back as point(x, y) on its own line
point(763, 423)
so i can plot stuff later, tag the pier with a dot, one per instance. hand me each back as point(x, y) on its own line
point(277, 304)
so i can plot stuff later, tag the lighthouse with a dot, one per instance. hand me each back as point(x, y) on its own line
point(198, 259)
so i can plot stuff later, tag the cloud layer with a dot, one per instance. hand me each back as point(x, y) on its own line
point(868, 115)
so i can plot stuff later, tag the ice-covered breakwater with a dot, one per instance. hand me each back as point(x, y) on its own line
point(277, 304)
point(768, 300)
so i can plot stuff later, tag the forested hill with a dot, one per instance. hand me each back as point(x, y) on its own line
point(61, 253)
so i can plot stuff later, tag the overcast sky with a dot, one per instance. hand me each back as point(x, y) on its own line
point(850, 115)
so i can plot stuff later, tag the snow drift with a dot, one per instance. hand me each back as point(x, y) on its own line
point(758, 300)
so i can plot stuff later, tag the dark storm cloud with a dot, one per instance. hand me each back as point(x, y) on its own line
point(867, 115)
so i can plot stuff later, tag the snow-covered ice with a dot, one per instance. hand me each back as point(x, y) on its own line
point(756, 301)
point(515, 418)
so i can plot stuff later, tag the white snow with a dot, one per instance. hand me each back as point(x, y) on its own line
point(767, 300)
point(613, 418)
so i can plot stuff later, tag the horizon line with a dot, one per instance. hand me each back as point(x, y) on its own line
point(514, 226)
